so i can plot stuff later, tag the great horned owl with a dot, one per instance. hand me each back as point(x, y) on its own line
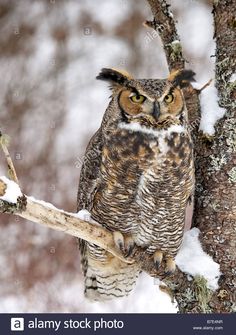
point(137, 178)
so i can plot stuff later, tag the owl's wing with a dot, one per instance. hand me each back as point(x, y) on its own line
point(89, 177)
point(90, 172)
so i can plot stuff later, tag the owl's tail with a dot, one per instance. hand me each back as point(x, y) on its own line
point(106, 277)
point(110, 283)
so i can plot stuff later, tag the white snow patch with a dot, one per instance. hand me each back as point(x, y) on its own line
point(176, 42)
point(196, 85)
point(12, 191)
point(192, 260)
point(84, 215)
point(232, 78)
point(211, 112)
point(145, 298)
point(44, 203)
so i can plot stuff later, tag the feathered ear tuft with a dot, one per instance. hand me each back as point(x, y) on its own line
point(114, 76)
point(181, 78)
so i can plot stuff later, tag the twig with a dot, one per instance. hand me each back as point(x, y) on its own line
point(11, 169)
point(199, 90)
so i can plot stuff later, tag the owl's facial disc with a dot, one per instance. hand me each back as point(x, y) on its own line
point(151, 110)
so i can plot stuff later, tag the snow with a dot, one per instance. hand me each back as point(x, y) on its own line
point(175, 42)
point(84, 215)
point(44, 203)
point(232, 78)
point(192, 260)
point(146, 298)
point(12, 191)
point(211, 112)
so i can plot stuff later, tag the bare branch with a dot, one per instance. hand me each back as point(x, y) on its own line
point(164, 24)
point(4, 140)
point(69, 223)
point(51, 217)
point(199, 90)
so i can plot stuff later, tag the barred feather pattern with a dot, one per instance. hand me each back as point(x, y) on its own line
point(137, 180)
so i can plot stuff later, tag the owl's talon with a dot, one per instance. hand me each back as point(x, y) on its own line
point(158, 256)
point(170, 266)
point(129, 245)
point(125, 243)
point(129, 251)
point(119, 240)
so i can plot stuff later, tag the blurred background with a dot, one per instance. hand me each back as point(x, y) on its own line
point(51, 104)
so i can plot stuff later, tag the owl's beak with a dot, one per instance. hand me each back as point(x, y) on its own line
point(156, 110)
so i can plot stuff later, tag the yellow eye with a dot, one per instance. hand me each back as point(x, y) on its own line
point(169, 98)
point(139, 99)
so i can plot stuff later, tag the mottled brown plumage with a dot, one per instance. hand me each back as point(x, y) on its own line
point(137, 178)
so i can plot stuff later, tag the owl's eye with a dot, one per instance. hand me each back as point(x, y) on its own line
point(139, 99)
point(169, 98)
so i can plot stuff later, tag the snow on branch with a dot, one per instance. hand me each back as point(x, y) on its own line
point(192, 260)
point(13, 201)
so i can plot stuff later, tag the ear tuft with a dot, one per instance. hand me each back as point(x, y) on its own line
point(181, 78)
point(114, 76)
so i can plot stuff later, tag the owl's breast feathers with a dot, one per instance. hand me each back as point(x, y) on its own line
point(146, 178)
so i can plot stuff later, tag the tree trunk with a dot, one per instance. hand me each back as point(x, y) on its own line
point(215, 197)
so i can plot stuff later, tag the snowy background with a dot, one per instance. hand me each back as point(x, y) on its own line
point(51, 104)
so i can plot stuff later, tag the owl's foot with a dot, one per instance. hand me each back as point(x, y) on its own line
point(158, 257)
point(170, 263)
point(170, 266)
point(125, 243)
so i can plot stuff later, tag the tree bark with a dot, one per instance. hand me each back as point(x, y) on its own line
point(163, 23)
point(215, 195)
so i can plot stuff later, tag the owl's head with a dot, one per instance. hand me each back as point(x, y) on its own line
point(150, 102)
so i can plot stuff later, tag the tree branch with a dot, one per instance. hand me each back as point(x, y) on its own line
point(4, 140)
point(54, 218)
point(51, 217)
point(164, 24)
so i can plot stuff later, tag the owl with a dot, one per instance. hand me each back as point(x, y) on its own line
point(137, 178)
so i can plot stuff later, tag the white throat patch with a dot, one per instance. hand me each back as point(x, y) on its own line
point(160, 134)
point(136, 127)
